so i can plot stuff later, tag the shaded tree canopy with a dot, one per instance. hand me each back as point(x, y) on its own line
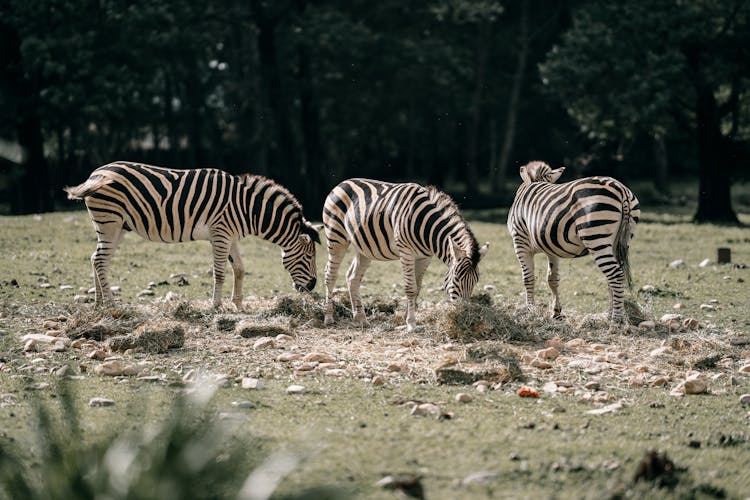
point(456, 93)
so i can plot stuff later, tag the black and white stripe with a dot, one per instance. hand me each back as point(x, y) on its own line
point(405, 222)
point(172, 205)
point(595, 215)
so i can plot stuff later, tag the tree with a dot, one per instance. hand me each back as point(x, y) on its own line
point(650, 67)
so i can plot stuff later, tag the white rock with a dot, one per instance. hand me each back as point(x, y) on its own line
point(29, 345)
point(252, 383)
point(98, 402)
point(614, 407)
point(463, 397)
point(745, 369)
point(675, 264)
point(745, 399)
point(335, 372)
point(145, 293)
point(66, 287)
point(112, 368)
point(648, 288)
point(705, 263)
point(264, 343)
point(283, 337)
point(678, 306)
point(660, 351)
point(549, 387)
point(541, 364)
point(41, 338)
point(424, 409)
point(296, 389)
point(695, 386)
point(648, 325)
point(670, 317)
point(707, 307)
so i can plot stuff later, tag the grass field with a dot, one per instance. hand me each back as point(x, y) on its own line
point(354, 425)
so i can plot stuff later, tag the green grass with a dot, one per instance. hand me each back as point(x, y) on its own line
point(351, 433)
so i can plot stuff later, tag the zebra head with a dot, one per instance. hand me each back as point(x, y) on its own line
point(299, 258)
point(463, 274)
point(538, 171)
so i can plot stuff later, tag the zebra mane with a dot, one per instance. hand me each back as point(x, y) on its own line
point(444, 202)
point(305, 227)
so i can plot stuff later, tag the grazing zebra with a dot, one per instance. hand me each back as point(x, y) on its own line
point(595, 215)
point(406, 222)
point(171, 205)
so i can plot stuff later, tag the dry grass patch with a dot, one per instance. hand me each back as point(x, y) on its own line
point(153, 337)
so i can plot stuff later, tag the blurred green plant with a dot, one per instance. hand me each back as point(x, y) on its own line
point(189, 455)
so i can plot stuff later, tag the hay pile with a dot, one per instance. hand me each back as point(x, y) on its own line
point(151, 337)
point(99, 324)
point(249, 329)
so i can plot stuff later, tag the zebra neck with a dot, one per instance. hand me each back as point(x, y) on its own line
point(270, 215)
point(458, 235)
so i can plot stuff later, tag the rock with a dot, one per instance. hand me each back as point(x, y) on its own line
point(252, 383)
point(678, 306)
point(549, 387)
point(245, 405)
point(41, 338)
point(705, 263)
point(481, 477)
point(63, 371)
point(463, 397)
point(659, 381)
point(145, 293)
point(676, 264)
point(541, 364)
point(745, 369)
point(78, 343)
point(100, 402)
point(264, 343)
point(97, 354)
point(423, 409)
point(576, 342)
point(319, 357)
point(49, 324)
point(111, 368)
point(285, 357)
point(82, 299)
point(283, 337)
point(614, 407)
point(690, 323)
point(58, 346)
point(307, 366)
point(296, 389)
point(648, 325)
point(29, 345)
point(66, 287)
point(335, 372)
point(395, 367)
point(670, 317)
point(695, 384)
point(548, 353)
point(592, 385)
point(377, 380)
point(745, 399)
point(648, 288)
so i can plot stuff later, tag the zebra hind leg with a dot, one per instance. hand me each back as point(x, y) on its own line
point(353, 280)
point(526, 260)
point(220, 247)
point(238, 271)
point(109, 236)
point(612, 270)
point(553, 279)
point(336, 254)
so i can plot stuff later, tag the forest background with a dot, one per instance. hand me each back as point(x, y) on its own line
point(456, 93)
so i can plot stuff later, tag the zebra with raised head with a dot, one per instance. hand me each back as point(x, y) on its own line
point(405, 222)
point(595, 215)
point(172, 205)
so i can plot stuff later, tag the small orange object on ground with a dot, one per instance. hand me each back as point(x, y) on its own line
point(527, 392)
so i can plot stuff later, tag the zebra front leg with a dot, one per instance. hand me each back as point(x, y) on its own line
point(335, 256)
point(410, 285)
point(353, 281)
point(220, 247)
point(238, 271)
point(553, 279)
point(420, 266)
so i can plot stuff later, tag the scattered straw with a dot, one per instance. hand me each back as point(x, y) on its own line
point(248, 329)
point(151, 337)
point(479, 319)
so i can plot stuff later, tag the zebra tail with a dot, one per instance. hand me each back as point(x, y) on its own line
point(622, 242)
point(81, 191)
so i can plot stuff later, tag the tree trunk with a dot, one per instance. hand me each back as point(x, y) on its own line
point(34, 194)
point(472, 139)
point(714, 183)
point(500, 171)
point(661, 161)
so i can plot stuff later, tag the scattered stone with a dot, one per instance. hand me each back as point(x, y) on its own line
point(406, 486)
point(320, 358)
point(335, 372)
point(660, 381)
point(245, 405)
point(648, 288)
point(481, 477)
point(58, 346)
point(296, 389)
point(745, 399)
point(66, 287)
point(463, 397)
point(395, 367)
point(541, 364)
point(707, 307)
point(548, 353)
point(252, 383)
point(145, 293)
point(705, 263)
point(678, 306)
point(307, 366)
point(576, 342)
point(648, 324)
point(286, 357)
point(29, 345)
point(695, 385)
point(82, 299)
point(97, 354)
point(690, 323)
point(231, 415)
point(670, 317)
point(264, 343)
point(115, 368)
point(283, 337)
point(41, 338)
point(421, 410)
point(745, 369)
point(660, 351)
point(63, 371)
point(676, 264)
point(593, 385)
point(100, 402)
point(614, 407)
point(377, 380)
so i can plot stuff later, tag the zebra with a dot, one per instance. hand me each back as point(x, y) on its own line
point(595, 215)
point(406, 222)
point(173, 205)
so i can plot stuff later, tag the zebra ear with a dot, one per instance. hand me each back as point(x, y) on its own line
point(305, 238)
point(555, 174)
point(483, 249)
point(456, 251)
point(523, 171)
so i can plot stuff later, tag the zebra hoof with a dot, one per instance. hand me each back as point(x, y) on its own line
point(328, 321)
point(360, 319)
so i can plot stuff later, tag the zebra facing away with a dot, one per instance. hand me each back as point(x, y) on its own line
point(595, 215)
point(405, 222)
point(171, 205)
